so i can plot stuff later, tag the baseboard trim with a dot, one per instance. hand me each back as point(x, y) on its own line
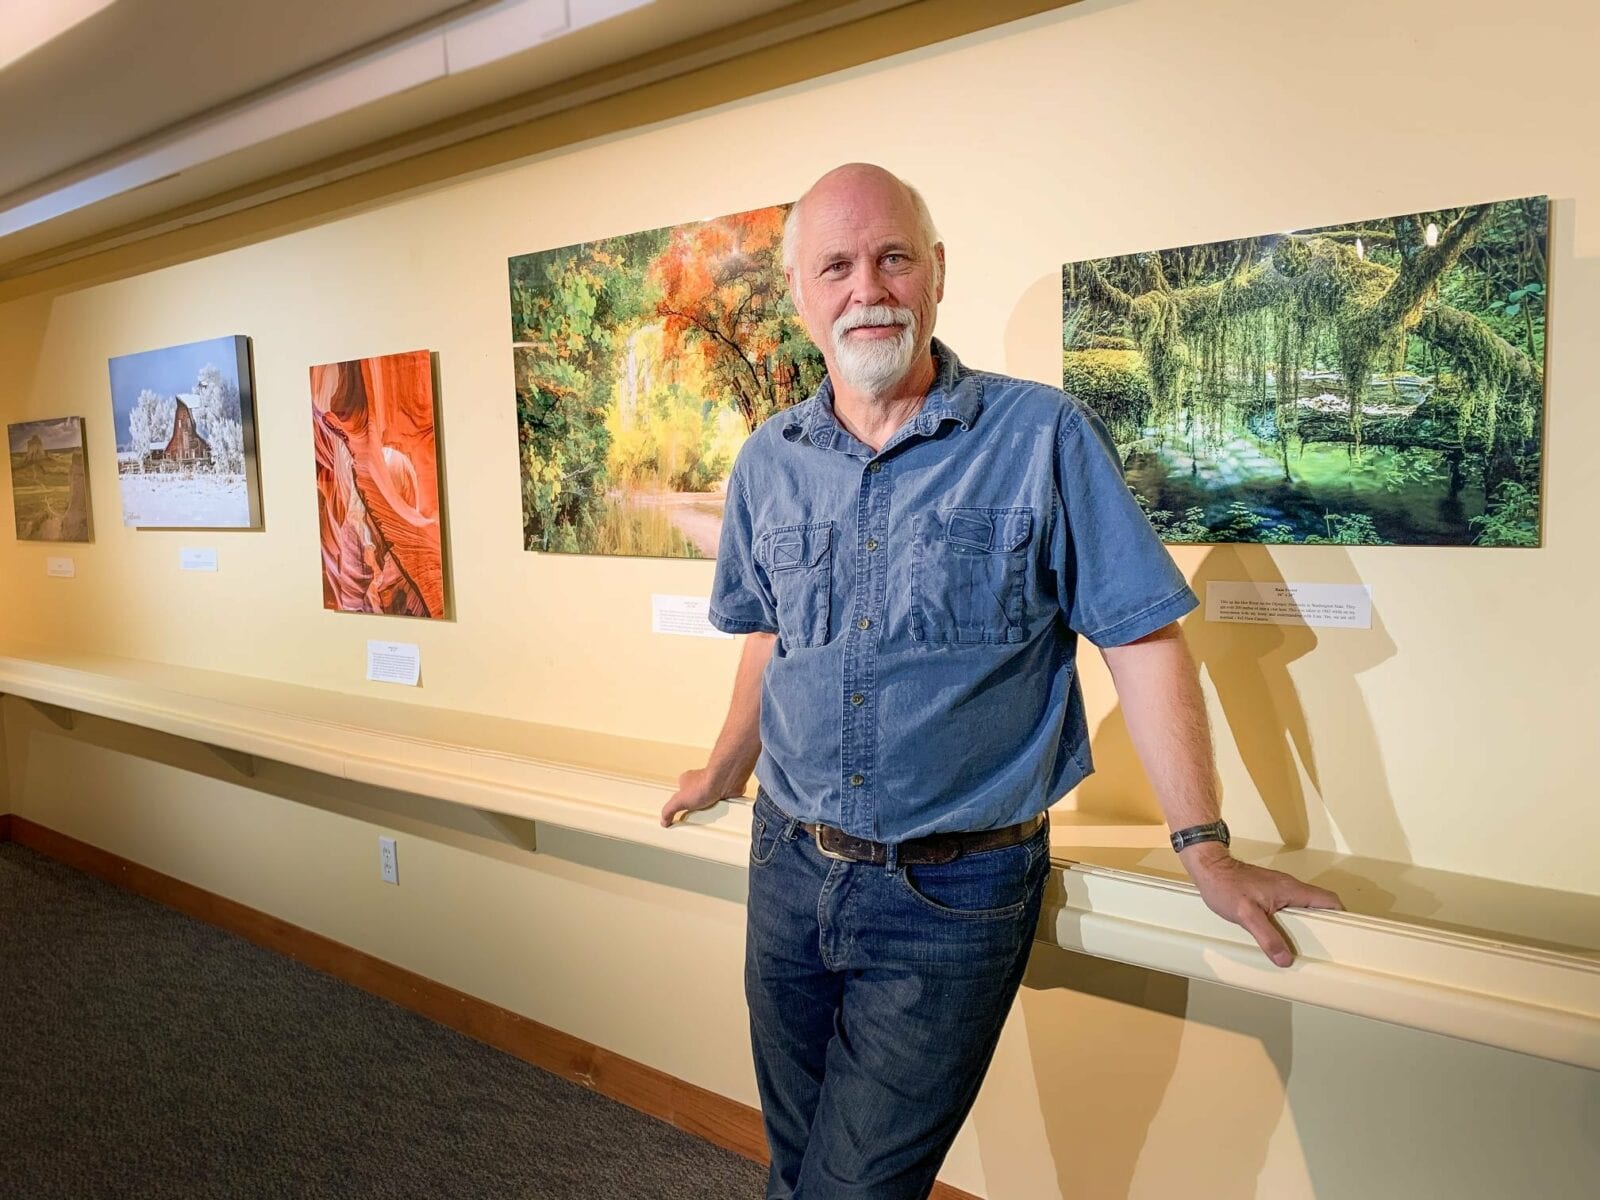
point(695, 1110)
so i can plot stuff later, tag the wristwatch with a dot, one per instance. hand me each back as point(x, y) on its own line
point(1216, 831)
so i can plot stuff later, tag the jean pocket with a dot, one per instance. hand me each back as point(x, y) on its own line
point(989, 885)
point(799, 565)
point(969, 568)
point(764, 838)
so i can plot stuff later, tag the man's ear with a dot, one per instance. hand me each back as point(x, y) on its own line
point(938, 253)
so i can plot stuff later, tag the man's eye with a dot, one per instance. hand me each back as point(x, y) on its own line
point(894, 259)
point(836, 267)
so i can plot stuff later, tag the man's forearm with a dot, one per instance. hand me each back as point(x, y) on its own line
point(738, 746)
point(1166, 715)
point(1159, 689)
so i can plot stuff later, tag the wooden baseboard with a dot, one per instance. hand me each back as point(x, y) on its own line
point(705, 1114)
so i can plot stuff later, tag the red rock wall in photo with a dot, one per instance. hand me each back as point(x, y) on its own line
point(378, 485)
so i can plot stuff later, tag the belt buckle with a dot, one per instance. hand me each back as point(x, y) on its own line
point(823, 850)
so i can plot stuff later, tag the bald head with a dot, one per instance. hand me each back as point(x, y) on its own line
point(848, 186)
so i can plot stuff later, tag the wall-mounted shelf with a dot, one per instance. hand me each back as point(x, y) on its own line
point(612, 786)
point(1493, 962)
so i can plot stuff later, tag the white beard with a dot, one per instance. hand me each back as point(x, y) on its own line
point(874, 366)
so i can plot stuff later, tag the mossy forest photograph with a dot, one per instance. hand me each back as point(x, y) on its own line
point(642, 364)
point(1374, 383)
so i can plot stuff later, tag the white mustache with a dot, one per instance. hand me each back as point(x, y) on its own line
point(873, 314)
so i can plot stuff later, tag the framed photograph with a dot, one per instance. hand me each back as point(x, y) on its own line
point(642, 364)
point(1374, 383)
point(185, 427)
point(372, 426)
point(49, 480)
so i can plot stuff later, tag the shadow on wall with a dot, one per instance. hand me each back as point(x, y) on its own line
point(26, 322)
point(1333, 775)
point(1102, 1063)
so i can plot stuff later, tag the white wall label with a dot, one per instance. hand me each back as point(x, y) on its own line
point(61, 568)
point(1333, 605)
point(198, 558)
point(394, 662)
point(685, 616)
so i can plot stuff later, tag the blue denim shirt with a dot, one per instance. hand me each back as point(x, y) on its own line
point(928, 601)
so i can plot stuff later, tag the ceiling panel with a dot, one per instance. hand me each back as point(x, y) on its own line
point(130, 124)
point(139, 66)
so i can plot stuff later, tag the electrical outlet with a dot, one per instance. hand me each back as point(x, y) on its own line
point(388, 863)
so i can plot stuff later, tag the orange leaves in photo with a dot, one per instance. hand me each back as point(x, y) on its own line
point(722, 295)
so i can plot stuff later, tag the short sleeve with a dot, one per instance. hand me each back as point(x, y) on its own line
point(741, 598)
point(1116, 581)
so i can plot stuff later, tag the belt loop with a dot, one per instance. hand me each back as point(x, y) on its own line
point(891, 855)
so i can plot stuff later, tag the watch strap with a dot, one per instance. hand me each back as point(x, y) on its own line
point(1214, 831)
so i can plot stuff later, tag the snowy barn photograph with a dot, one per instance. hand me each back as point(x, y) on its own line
point(185, 425)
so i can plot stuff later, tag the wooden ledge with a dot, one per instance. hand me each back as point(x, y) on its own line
point(578, 779)
point(1480, 959)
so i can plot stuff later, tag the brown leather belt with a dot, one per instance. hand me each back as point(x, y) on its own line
point(923, 851)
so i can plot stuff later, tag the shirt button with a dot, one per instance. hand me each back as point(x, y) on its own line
point(874, 467)
point(872, 543)
point(857, 780)
point(857, 698)
point(864, 623)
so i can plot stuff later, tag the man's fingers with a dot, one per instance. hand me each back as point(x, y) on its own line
point(682, 804)
point(1315, 897)
point(1273, 944)
point(1291, 893)
point(673, 807)
point(1248, 896)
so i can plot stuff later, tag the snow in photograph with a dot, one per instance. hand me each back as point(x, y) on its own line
point(181, 414)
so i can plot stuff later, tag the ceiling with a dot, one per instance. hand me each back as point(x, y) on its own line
point(140, 66)
point(150, 107)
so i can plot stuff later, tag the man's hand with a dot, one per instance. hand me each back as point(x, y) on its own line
point(1248, 895)
point(697, 789)
point(733, 758)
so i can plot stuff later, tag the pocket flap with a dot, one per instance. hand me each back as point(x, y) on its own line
point(798, 545)
point(998, 529)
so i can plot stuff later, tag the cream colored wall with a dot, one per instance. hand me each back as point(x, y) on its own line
point(1455, 734)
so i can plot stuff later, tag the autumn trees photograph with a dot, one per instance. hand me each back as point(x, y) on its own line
point(1380, 382)
point(642, 363)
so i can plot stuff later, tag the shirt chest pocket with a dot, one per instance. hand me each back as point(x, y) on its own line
point(798, 562)
point(968, 574)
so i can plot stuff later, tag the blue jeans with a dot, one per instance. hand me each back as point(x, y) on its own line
point(876, 998)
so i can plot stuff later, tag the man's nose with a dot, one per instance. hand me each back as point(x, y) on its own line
point(871, 285)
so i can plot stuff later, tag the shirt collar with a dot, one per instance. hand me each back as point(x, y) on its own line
point(956, 395)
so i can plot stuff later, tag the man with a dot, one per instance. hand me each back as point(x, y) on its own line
point(913, 553)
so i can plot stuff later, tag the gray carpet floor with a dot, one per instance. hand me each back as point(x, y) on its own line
point(146, 1054)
